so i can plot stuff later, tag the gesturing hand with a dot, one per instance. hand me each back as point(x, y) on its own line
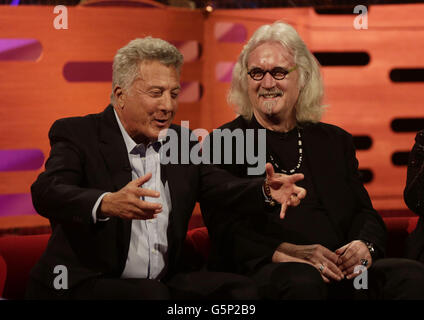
point(283, 188)
point(126, 203)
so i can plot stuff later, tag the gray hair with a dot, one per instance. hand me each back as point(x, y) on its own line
point(308, 106)
point(128, 59)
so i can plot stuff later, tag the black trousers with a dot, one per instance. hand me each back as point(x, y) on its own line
point(201, 285)
point(387, 279)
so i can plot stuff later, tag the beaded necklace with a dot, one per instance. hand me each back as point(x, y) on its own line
point(299, 161)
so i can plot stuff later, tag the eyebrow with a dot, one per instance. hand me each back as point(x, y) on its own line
point(163, 88)
point(255, 67)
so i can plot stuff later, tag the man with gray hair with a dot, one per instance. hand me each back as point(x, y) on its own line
point(119, 217)
point(321, 246)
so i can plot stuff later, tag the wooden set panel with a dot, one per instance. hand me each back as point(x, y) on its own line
point(361, 99)
point(36, 93)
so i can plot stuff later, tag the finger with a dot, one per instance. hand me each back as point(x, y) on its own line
point(336, 270)
point(141, 180)
point(350, 273)
point(326, 280)
point(143, 192)
point(294, 201)
point(331, 263)
point(331, 271)
point(300, 192)
point(145, 214)
point(346, 256)
point(341, 250)
point(146, 205)
point(328, 254)
point(296, 177)
point(349, 264)
point(269, 170)
point(356, 270)
point(283, 210)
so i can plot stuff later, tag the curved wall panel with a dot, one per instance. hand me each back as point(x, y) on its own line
point(49, 74)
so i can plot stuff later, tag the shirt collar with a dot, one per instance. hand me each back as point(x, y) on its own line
point(134, 148)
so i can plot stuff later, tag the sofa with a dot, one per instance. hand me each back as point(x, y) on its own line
point(19, 253)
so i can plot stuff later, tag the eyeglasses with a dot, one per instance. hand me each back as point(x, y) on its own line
point(278, 73)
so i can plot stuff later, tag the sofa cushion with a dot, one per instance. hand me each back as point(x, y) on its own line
point(20, 254)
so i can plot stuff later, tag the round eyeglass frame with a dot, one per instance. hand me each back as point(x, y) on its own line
point(271, 73)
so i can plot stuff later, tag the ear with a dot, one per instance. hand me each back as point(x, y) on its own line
point(119, 95)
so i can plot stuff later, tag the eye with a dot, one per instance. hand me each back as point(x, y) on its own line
point(279, 73)
point(175, 94)
point(256, 73)
point(156, 93)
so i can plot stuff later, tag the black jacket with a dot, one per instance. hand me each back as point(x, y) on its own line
point(414, 197)
point(88, 157)
point(330, 153)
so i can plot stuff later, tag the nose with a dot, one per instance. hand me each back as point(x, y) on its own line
point(268, 81)
point(167, 104)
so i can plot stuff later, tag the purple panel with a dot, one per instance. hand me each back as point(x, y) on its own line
point(224, 71)
point(189, 49)
point(190, 92)
point(21, 159)
point(230, 32)
point(185, 85)
point(89, 71)
point(16, 204)
point(20, 49)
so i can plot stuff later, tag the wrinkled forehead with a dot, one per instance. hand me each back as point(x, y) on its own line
point(155, 71)
point(270, 54)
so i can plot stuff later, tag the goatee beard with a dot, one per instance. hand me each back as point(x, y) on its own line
point(268, 107)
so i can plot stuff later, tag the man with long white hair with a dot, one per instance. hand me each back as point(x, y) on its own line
point(322, 245)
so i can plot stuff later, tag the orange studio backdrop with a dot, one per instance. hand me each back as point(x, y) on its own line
point(48, 73)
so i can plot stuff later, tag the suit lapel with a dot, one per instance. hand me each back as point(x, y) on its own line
point(114, 152)
point(168, 175)
point(325, 171)
point(112, 147)
point(174, 175)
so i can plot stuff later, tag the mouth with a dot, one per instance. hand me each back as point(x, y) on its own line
point(271, 95)
point(161, 122)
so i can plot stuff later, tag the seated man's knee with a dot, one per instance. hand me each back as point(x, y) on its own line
point(292, 280)
point(395, 278)
point(239, 288)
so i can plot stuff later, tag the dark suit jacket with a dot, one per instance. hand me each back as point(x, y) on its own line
point(331, 159)
point(414, 197)
point(88, 157)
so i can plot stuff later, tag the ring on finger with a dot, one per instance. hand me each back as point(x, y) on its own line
point(321, 268)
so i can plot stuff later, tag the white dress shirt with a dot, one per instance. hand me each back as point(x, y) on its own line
point(149, 243)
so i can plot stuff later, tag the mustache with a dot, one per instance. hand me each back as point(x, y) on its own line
point(263, 92)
